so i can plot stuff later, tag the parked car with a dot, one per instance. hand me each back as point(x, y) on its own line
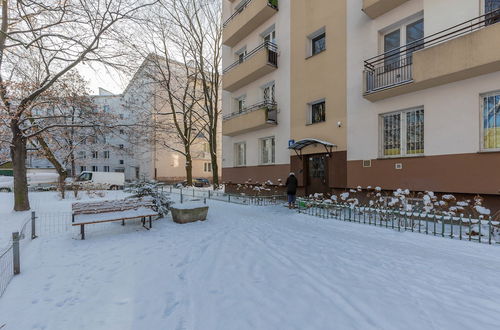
point(197, 182)
point(101, 180)
point(36, 181)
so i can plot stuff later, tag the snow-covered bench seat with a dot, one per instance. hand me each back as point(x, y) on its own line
point(109, 211)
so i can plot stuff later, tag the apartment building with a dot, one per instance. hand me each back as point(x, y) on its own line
point(256, 90)
point(423, 95)
point(388, 93)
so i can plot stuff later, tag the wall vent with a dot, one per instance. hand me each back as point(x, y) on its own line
point(367, 163)
point(399, 166)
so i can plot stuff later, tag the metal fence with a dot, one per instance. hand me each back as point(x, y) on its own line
point(482, 230)
point(193, 194)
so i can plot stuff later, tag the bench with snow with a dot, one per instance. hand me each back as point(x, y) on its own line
point(110, 211)
point(189, 212)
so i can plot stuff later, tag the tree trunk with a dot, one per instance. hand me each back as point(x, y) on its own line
point(49, 155)
point(189, 170)
point(213, 157)
point(18, 155)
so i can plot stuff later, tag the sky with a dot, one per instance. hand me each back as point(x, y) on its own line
point(101, 76)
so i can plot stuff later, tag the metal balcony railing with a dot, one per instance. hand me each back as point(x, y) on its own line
point(394, 68)
point(272, 55)
point(271, 106)
point(244, 5)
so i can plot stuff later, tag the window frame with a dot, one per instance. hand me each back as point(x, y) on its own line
point(403, 127)
point(482, 147)
point(240, 163)
point(273, 150)
point(310, 106)
point(314, 37)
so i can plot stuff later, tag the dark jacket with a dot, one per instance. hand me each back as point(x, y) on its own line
point(291, 185)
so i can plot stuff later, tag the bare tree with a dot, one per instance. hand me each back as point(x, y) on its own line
point(41, 41)
point(197, 29)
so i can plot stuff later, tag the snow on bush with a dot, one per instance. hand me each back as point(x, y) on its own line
point(161, 201)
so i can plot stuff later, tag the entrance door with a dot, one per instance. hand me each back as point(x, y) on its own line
point(317, 174)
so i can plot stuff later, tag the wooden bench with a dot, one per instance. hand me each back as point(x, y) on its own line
point(110, 211)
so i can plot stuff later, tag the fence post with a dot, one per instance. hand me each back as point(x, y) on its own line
point(479, 230)
point(33, 227)
point(181, 195)
point(489, 231)
point(15, 253)
point(209, 194)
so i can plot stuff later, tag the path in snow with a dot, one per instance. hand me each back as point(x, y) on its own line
point(254, 268)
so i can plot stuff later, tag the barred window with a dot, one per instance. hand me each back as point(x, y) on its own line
point(491, 120)
point(403, 133)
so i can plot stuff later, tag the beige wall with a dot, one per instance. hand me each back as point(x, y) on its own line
point(320, 76)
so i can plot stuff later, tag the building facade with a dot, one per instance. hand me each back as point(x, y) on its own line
point(388, 93)
point(424, 95)
point(256, 90)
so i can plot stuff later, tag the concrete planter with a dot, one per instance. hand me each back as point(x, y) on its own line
point(189, 212)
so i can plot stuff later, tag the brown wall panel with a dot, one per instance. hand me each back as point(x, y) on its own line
point(259, 174)
point(477, 173)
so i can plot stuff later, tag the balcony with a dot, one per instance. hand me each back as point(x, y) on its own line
point(259, 62)
point(464, 51)
point(376, 8)
point(258, 116)
point(248, 17)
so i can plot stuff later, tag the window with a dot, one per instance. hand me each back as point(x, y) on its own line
point(490, 104)
point(492, 9)
point(206, 147)
point(82, 155)
point(119, 170)
point(105, 108)
point(409, 34)
point(106, 168)
point(207, 167)
point(318, 44)
point(122, 131)
point(241, 54)
point(95, 154)
point(106, 154)
point(122, 162)
point(83, 168)
point(267, 148)
point(403, 133)
point(317, 112)
point(240, 154)
point(240, 104)
point(95, 168)
point(121, 116)
point(121, 146)
point(270, 37)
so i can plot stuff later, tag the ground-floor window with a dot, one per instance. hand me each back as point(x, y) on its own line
point(267, 150)
point(403, 133)
point(491, 120)
point(106, 168)
point(240, 154)
point(207, 167)
point(83, 168)
point(95, 169)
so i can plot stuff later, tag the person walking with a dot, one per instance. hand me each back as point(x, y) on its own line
point(291, 189)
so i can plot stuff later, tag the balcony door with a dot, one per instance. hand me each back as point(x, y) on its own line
point(492, 11)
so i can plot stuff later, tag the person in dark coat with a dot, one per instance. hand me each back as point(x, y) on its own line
point(291, 189)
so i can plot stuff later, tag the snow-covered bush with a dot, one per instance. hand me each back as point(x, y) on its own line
point(162, 201)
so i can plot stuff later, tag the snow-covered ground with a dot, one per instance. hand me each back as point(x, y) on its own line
point(250, 267)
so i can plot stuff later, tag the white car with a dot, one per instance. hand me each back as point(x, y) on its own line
point(101, 180)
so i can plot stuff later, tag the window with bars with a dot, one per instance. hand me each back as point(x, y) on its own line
point(403, 133)
point(490, 104)
point(267, 148)
point(240, 157)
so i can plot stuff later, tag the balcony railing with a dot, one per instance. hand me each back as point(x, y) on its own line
point(395, 68)
point(242, 7)
point(272, 113)
point(272, 55)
